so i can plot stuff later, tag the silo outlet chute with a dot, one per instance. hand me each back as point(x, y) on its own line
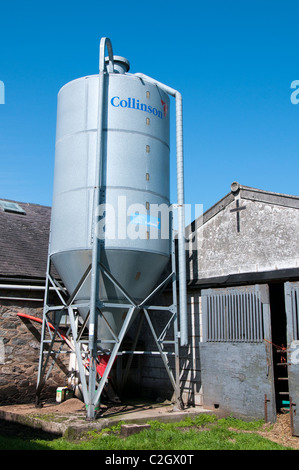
point(111, 241)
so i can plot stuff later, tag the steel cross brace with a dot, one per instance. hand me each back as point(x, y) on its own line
point(158, 340)
point(92, 398)
point(132, 308)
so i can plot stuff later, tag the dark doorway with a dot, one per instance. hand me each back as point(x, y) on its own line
point(279, 343)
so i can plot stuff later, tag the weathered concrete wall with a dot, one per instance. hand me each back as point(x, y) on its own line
point(268, 239)
point(19, 356)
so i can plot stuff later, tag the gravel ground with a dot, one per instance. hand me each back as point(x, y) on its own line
point(280, 432)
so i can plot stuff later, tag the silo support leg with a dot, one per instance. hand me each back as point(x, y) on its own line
point(113, 355)
point(43, 363)
point(91, 406)
point(78, 354)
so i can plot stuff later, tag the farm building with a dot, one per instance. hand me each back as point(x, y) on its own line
point(243, 280)
point(243, 322)
point(24, 235)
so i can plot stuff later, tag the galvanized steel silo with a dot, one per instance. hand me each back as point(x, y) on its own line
point(107, 245)
point(135, 169)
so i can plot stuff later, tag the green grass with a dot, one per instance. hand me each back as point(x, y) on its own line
point(203, 432)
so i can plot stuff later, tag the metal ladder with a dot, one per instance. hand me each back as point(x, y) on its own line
point(281, 379)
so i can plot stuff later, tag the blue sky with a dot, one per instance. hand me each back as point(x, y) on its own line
point(233, 62)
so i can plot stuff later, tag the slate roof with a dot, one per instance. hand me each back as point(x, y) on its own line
point(24, 241)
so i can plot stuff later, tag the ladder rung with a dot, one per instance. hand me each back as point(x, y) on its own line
point(282, 378)
point(283, 393)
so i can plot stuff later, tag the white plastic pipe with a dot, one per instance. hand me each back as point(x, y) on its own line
point(24, 287)
point(181, 208)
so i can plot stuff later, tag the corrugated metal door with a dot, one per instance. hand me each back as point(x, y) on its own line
point(292, 312)
point(236, 353)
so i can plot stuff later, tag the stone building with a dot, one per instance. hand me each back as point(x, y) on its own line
point(24, 234)
point(243, 273)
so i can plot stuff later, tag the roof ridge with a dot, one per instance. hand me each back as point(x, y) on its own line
point(263, 191)
point(25, 203)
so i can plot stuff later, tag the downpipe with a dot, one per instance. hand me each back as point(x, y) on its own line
point(180, 203)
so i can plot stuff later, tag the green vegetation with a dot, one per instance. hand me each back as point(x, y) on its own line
point(203, 432)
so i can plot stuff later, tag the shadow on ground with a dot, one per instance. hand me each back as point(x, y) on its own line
point(16, 436)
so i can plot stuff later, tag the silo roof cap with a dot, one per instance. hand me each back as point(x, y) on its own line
point(121, 64)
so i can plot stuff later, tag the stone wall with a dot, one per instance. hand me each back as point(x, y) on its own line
point(19, 355)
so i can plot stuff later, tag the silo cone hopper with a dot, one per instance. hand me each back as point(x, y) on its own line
point(111, 236)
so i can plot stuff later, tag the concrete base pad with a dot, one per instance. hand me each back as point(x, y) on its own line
point(69, 418)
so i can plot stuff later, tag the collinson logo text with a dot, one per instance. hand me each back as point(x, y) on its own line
point(134, 103)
